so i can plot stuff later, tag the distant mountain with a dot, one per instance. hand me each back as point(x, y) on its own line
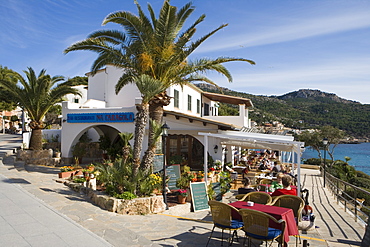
point(305, 108)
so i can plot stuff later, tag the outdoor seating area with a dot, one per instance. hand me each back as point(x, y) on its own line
point(262, 222)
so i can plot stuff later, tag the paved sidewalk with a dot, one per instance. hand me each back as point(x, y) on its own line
point(38, 183)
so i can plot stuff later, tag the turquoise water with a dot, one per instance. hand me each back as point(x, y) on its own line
point(359, 154)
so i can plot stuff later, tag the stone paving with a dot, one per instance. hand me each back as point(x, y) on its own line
point(52, 214)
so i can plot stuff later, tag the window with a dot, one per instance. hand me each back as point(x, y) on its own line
point(206, 109)
point(76, 100)
point(189, 102)
point(176, 98)
point(198, 106)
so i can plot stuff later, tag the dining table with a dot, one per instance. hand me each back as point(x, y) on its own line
point(287, 214)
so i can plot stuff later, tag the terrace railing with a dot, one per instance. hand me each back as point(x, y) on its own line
point(348, 195)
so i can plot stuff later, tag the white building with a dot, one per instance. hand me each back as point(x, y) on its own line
point(196, 130)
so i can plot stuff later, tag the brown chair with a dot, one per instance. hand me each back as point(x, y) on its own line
point(266, 181)
point(222, 218)
point(257, 197)
point(295, 203)
point(256, 226)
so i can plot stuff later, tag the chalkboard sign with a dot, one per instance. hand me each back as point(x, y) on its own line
point(199, 196)
point(217, 189)
point(158, 163)
point(173, 171)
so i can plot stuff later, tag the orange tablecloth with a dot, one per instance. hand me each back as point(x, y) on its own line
point(277, 212)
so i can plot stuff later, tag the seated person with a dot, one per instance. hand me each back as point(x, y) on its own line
point(286, 190)
point(278, 184)
point(262, 167)
point(247, 187)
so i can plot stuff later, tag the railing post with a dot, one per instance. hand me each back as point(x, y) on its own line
point(337, 191)
point(345, 200)
point(355, 197)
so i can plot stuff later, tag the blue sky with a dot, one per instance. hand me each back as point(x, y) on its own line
point(296, 44)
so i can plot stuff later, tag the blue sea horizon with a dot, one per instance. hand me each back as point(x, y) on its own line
point(359, 154)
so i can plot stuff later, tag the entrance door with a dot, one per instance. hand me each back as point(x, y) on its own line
point(188, 148)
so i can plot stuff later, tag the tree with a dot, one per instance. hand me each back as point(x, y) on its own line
point(6, 102)
point(155, 47)
point(78, 80)
point(334, 136)
point(36, 94)
point(315, 138)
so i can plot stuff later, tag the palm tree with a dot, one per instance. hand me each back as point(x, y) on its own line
point(36, 95)
point(155, 47)
point(6, 102)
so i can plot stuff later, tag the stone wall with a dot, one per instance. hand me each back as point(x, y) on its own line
point(38, 157)
point(137, 206)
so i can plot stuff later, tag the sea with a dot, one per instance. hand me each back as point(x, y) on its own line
point(359, 154)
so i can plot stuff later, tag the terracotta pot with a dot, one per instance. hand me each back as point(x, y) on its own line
point(181, 199)
point(65, 174)
point(200, 180)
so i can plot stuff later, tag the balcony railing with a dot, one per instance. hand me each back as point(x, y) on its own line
point(348, 195)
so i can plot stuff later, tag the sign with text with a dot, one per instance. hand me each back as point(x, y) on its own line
point(173, 172)
point(217, 189)
point(199, 196)
point(114, 117)
point(158, 162)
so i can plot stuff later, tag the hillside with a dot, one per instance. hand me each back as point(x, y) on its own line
point(304, 109)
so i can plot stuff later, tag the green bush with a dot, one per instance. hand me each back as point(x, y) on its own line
point(313, 161)
point(360, 182)
point(79, 180)
point(125, 195)
point(361, 174)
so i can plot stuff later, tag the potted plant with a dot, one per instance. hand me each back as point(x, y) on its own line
point(57, 153)
point(181, 196)
point(104, 144)
point(200, 176)
point(176, 159)
point(66, 172)
point(79, 150)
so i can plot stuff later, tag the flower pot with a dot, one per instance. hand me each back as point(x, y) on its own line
point(200, 180)
point(181, 199)
point(65, 174)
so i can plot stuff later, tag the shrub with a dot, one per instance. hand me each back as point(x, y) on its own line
point(360, 182)
point(361, 174)
point(125, 195)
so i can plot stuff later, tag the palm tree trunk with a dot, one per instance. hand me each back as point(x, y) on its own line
point(156, 114)
point(36, 136)
point(140, 123)
point(36, 139)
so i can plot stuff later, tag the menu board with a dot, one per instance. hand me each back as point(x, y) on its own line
point(217, 189)
point(173, 172)
point(199, 196)
point(158, 163)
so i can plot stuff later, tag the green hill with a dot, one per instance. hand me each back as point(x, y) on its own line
point(304, 109)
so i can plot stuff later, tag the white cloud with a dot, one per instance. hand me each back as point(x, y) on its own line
point(294, 30)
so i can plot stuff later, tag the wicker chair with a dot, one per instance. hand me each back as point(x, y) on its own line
point(256, 226)
point(293, 202)
point(257, 197)
point(266, 181)
point(222, 218)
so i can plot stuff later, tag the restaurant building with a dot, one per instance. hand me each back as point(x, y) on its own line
point(196, 130)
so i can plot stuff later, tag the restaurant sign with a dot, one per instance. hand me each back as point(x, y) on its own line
point(115, 117)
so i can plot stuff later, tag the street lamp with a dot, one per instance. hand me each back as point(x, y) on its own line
point(165, 129)
point(325, 142)
point(226, 151)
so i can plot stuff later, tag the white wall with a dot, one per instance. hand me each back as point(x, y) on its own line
point(81, 99)
point(183, 100)
point(102, 87)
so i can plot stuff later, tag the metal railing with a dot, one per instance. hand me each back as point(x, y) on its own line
point(347, 195)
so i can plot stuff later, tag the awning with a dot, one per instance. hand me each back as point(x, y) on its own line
point(255, 141)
